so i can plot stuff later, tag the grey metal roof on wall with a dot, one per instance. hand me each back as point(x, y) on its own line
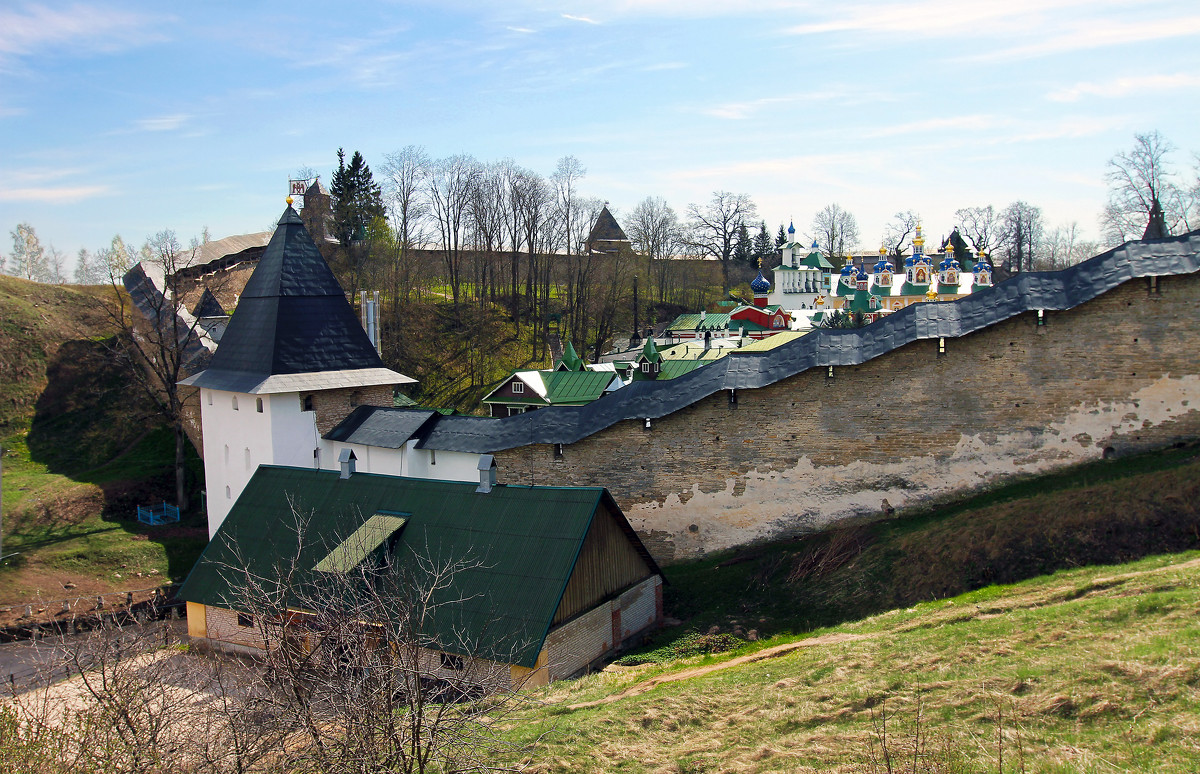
point(1027, 291)
point(389, 428)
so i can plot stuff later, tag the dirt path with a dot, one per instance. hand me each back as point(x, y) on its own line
point(638, 689)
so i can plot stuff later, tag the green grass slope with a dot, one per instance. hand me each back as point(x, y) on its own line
point(82, 449)
point(1087, 670)
point(1100, 513)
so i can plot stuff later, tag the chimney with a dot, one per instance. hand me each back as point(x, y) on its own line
point(487, 473)
point(347, 460)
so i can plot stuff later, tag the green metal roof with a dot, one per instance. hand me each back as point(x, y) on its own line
point(815, 260)
point(520, 545)
point(650, 353)
point(575, 387)
point(363, 542)
point(671, 369)
point(570, 361)
point(693, 322)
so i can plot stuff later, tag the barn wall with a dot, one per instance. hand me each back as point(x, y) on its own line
point(607, 563)
point(570, 648)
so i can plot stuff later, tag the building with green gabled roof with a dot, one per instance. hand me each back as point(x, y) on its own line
point(523, 391)
point(570, 360)
point(552, 579)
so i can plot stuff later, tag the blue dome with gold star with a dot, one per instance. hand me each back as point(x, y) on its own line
point(760, 284)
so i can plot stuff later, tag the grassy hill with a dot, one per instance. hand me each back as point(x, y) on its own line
point(82, 448)
point(997, 627)
point(1088, 670)
point(1103, 512)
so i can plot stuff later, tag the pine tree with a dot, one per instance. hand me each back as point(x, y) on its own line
point(780, 238)
point(357, 199)
point(763, 248)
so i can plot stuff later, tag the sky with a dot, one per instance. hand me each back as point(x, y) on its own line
point(134, 117)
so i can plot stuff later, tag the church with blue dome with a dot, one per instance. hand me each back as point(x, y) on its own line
point(883, 290)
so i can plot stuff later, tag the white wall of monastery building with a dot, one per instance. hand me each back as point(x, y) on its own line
point(238, 440)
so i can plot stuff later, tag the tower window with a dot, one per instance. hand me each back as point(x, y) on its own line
point(226, 454)
point(235, 408)
point(247, 459)
point(306, 403)
point(228, 494)
point(558, 451)
point(210, 399)
point(258, 405)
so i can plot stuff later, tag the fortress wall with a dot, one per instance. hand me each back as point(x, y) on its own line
point(1121, 372)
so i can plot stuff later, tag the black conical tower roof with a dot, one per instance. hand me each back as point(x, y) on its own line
point(293, 316)
point(606, 228)
point(208, 306)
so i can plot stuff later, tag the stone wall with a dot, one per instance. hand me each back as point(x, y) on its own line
point(332, 406)
point(1117, 374)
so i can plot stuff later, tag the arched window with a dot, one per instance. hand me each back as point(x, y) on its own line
point(247, 459)
point(235, 408)
point(258, 405)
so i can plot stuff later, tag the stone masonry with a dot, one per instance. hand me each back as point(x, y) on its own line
point(1117, 374)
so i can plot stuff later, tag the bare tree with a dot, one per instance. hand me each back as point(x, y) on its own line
point(449, 187)
point(122, 697)
point(371, 678)
point(836, 230)
point(1141, 182)
point(160, 340)
point(1020, 235)
point(29, 259)
point(1063, 247)
point(404, 175)
point(896, 233)
point(978, 225)
point(713, 227)
point(655, 233)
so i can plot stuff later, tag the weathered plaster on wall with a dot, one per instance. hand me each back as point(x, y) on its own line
point(762, 505)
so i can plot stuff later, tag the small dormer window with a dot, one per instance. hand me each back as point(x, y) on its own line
point(645, 368)
point(518, 387)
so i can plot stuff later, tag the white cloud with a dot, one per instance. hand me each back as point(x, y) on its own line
point(975, 122)
point(935, 18)
point(584, 19)
point(1035, 27)
point(522, 30)
point(1122, 87)
point(92, 28)
point(59, 195)
point(664, 66)
point(1100, 33)
point(163, 123)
